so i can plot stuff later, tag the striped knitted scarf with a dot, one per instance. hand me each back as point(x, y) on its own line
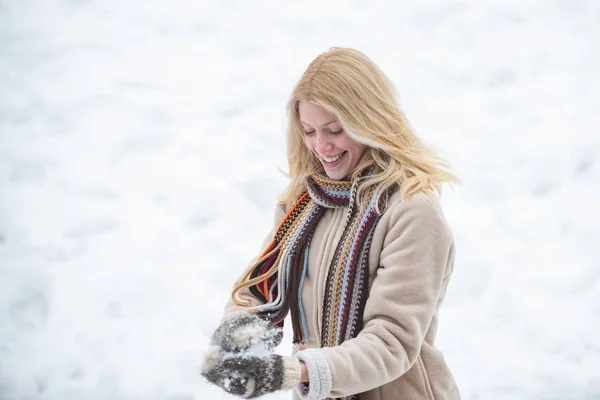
point(278, 275)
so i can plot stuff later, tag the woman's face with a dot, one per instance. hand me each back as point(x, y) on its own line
point(324, 136)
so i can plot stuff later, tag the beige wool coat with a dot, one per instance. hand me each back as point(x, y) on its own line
point(394, 356)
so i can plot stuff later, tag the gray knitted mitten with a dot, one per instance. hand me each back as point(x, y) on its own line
point(241, 360)
point(240, 333)
point(216, 373)
point(252, 376)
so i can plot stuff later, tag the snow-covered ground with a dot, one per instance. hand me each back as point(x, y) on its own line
point(139, 147)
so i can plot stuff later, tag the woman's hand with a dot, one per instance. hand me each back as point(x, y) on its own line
point(241, 360)
point(241, 333)
point(303, 372)
point(252, 376)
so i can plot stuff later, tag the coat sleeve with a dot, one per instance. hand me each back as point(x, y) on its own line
point(231, 308)
point(414, 264)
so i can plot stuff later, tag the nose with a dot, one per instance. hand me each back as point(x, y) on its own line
point(322, 144)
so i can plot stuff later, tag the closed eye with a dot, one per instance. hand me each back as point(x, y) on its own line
point(339, 132)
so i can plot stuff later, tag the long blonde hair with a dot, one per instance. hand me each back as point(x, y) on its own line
point(351, 87)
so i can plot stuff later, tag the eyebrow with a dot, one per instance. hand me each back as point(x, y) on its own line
point(330, 122)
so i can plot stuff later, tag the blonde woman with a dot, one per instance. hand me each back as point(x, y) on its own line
point(360, 254)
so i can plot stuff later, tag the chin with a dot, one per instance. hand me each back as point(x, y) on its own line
point(335, 175)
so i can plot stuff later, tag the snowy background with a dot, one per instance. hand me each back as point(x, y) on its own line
point(139, 147)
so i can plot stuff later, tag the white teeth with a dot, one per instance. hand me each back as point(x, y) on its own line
point(332, 159)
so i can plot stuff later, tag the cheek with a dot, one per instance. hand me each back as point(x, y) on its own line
point(347, 143)
point(308, 143)
point(361, 149)
point(357, 150)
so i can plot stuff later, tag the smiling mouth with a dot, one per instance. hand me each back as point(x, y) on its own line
point(333, 159)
